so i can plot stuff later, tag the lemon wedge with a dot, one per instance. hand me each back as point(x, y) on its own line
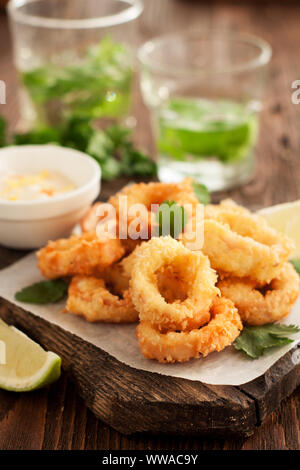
point(24, 365)
point(286, 219)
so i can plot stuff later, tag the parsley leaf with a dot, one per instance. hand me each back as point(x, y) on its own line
point(201, 193)
point(135, 162)
point(296, 264)
point(171, 219)
point(44, 292)
point(112, 148)
point(45, 135)
point(76, 132)
point(255, 340)
point(2, 132)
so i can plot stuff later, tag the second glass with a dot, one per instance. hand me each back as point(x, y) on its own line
point(204, 91)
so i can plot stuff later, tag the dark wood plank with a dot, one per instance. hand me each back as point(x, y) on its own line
point(275, 385)
point(134, 401)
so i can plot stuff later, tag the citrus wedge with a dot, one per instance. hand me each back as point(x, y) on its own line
point(24, 365)
point(286, 219)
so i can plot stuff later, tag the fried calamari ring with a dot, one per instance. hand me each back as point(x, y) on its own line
point(224, 327)
point(242, 244)
point(258, 306)
point(90, 220)
point(89, 224)
point(116, 277)
point(192, 270)
point(154, 194)
point(143, 196)
point(78, 255)
point(89, 298)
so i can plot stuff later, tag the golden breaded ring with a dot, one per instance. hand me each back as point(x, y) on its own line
point(257, 307)
point(116, 277)
point(242, 244)
point(89, 224)
point(78, 255)
point(90, 220)
point(155, 193)
point(130, 245)
point(195, 273)
point(224, 327)
point(146, 195)
point(89, 298)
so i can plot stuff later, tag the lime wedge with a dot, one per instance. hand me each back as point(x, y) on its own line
point(286, 219)
point(24, 365)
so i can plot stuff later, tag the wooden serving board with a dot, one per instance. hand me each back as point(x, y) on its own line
point(135, 401)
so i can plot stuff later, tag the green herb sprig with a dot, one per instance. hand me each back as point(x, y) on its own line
point(254, 341)
point(296, 264)
point(201, 193)
point(112, 148)
point(44, 292)
point(171, 219)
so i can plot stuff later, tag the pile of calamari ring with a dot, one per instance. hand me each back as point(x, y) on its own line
point(188, 303)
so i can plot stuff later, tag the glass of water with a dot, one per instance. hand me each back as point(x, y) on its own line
point(74, 58)
point(205, 91)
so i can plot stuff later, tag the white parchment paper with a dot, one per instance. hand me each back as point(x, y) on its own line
point(228, 367)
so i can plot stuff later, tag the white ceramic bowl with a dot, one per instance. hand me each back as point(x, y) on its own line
point(31, 224)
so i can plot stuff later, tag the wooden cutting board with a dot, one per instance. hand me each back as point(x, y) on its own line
point(135, 401)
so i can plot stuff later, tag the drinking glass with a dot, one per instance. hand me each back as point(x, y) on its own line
point(204, 91)
point(74, 58)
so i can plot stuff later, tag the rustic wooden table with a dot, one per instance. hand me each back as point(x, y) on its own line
point(57, 418)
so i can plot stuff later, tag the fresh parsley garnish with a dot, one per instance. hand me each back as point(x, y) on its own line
point(255, 340)
point(171, 219)
point(44, 292)
point(112, 147)
point(201, 193)
point(296, 264)
point(2, 132)
point(115, 152)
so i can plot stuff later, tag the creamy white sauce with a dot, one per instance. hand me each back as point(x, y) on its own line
point(33, 186)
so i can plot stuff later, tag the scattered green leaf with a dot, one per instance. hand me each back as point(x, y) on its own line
point(171, 219)
point(255, 340)
point(201, 193)
point(112, 148)
point(296, 264)
point(44, 292)
point(76, 132)
point(45, 135)
point(2, 132)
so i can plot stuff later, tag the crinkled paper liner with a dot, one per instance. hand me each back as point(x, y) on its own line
point(228, 367)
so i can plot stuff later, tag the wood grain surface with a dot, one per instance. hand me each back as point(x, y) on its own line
point(56, 418)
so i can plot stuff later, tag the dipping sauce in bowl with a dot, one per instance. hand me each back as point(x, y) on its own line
point(34, 186)
point(45, 190)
